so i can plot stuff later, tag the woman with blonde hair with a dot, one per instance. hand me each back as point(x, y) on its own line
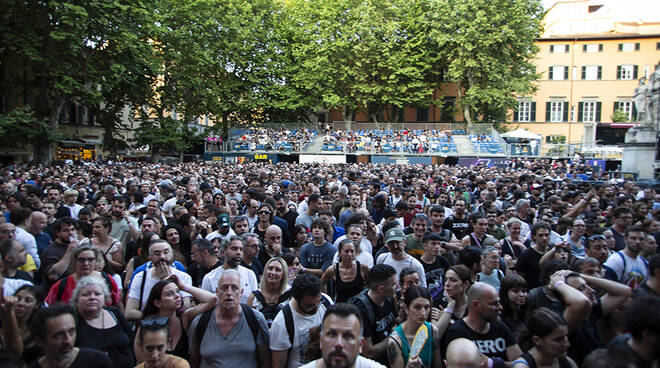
point(272, 294)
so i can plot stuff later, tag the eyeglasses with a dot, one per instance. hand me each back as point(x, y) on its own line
point(264, 213)
point(597, 236)
point(154, 321)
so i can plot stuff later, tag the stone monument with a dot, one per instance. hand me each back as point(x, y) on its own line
point(639, 151)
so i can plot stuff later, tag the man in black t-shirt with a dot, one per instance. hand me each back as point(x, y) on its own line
point(378, 310)
point(458, 222)
point(528, 263)
point(434, 265)
point(54, 331)
point(642, 320)
point(482, 326)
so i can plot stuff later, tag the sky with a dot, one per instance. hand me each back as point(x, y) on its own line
point(646, 10)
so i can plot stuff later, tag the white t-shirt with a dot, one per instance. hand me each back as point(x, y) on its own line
point(632, 272)
point(149, 283)
point(410, 261)
point(279, 338)
point(365, 244)
point(10, 286)
point(360, 362)
point(248, 279)
point(168, 205)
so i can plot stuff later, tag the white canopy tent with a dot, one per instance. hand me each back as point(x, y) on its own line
point(521, 134)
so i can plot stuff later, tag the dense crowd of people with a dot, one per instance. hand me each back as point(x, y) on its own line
point(271, 139)
point(382, 141)
point(346, 265)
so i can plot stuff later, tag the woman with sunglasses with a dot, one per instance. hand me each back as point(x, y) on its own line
point(264, 219)
point(98, 326)
point(153, 338)
point(165, 302)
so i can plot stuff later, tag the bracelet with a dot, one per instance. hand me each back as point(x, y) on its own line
point(490, 363)
point(450, 311)
point(557, 284)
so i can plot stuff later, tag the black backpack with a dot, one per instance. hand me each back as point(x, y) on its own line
point(249, 317)
point(288, 318)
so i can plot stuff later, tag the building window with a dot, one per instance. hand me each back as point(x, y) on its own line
point(626, 107)
point(422, 114)
point(592, 72)
point(593, 47)
point(558, 72)
point(448, 112)
point(626, 72)
point(526, 112)
point(657, 45)
point(589, 111)
point(559, 49)
point(629, 46)
point(556, 111)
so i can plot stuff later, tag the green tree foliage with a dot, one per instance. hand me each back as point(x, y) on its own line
point(20, 125)
point(488, 49)
point(620, 116)
point(59, 52)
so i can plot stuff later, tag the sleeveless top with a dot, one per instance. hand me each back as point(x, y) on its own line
point(426, 355)
point(528, 360)
point(269, 310)
point(181, 348)
point(345, 290)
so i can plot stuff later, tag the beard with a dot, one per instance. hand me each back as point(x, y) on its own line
point(329, 363)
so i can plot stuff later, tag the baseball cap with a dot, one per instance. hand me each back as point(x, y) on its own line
point(394, 234)
point(223, 219)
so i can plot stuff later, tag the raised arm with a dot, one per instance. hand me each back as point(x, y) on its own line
point(578, 306)
point(615, 293)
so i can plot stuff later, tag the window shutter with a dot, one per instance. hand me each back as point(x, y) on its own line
point(550, 73)
point(600, 47)
point(567, 48)
point(634, 112)
point(565, 73)
point(580, 110)
point(584, 48)
point(552, 48)
point(565, 117)
point(635, 70)
point(616, 106)
point(584, 72)
point(618, 72)
point(599, 107)
point(532, 116)
point(516, 113)
point(548, 106)
point(620, 47)
point(600, 72)
point(637, 46)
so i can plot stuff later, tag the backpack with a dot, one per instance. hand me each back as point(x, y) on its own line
point(288, 318)
point(250, 317)
point(623, 271)
point(62, 285)
point(366, 307)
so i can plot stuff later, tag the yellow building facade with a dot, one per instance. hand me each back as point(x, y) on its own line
point(589, 64)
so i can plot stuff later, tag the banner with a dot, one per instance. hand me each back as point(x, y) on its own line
point(500, 162)
point(323, 159)
point(401, 160)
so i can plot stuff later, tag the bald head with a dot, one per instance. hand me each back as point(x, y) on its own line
point(463, 353)
point(38, 221)
point(273, 235)
point(478, 290)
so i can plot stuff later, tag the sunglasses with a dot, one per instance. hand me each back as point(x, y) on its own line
point(155, 321)
point(597, 236)
point(264, 213)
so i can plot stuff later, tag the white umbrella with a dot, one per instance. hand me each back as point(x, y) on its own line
point(521, 133)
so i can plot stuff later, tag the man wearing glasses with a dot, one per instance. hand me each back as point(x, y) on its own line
point(290, 329)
